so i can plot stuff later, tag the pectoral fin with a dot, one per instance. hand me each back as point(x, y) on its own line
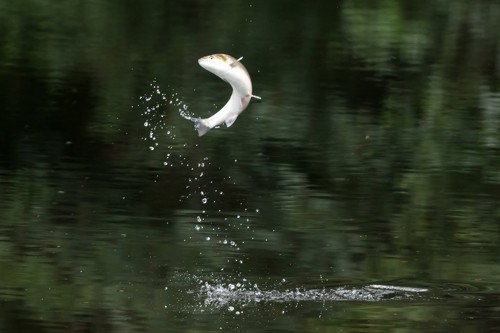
point(229, 121)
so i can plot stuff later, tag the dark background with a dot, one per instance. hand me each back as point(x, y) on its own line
point(374, 155)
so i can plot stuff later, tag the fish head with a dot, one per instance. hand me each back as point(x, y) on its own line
point(218, 64)
point(229, 69)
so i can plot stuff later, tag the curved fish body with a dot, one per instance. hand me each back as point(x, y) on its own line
point(233, 72)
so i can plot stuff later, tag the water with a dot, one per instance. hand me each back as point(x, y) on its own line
point(360, 194)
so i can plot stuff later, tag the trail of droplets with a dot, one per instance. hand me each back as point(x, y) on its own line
point(213, 224)
point(154, 106)
point(218, 230)
point(201, 183)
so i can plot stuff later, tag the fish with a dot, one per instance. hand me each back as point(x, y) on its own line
point(233, 72)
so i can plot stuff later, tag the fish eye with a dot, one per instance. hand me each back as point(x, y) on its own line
point(211, 57)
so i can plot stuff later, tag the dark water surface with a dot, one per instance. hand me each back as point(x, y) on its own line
point(360, 195)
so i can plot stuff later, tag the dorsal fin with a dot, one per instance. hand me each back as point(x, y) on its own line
point(235, 62)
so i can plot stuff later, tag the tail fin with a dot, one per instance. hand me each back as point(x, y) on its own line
point(201, 126)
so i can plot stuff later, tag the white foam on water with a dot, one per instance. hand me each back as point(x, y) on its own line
point(221, 295)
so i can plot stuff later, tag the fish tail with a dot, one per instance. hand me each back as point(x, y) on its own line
point(201, 126)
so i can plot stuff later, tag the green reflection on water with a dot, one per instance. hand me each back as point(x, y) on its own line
point(374, 155)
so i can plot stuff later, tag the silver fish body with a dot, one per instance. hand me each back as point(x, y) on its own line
point(233, 72)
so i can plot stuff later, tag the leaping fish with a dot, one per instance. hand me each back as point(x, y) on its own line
point(233, 72)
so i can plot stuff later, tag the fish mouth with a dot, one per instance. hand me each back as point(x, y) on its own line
point(202, 62)
point(205, 58)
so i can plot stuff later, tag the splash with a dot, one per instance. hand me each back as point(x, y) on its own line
point(231, 296)
point(154, 105)
point(202, 184)
point(224, 294)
